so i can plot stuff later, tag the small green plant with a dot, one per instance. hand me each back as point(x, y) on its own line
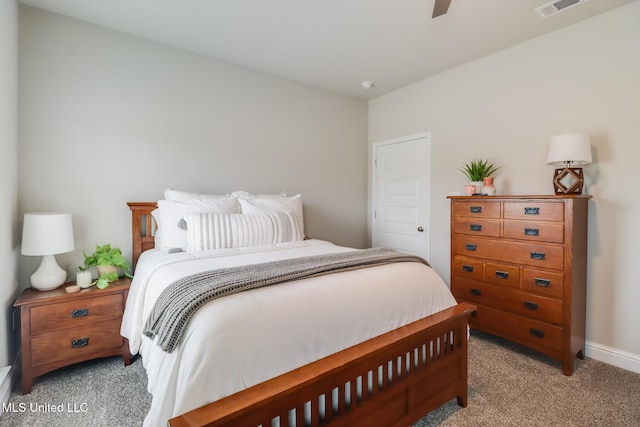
point(105, 256)
point(477, 170)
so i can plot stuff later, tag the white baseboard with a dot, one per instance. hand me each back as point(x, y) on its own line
point(5, 384)
point(613, 356)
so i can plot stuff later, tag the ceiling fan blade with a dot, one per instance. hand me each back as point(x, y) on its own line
point(440, 7)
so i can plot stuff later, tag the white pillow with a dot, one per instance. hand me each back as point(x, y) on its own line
point(171, 232)
point(219, 231)
point(245, 195)
point(275, 204)
point(171, 194)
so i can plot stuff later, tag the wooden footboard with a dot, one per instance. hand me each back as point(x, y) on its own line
point(391, 380)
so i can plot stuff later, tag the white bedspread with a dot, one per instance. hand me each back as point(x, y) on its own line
point(241, 340)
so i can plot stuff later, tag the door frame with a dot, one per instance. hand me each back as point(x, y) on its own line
point(373, 178)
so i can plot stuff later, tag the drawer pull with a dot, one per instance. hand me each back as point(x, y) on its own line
point(475, 209)
point(542, 282)
point(538, 255)
point(502, 274)
point(476, 292)
point(475, 227)
point(467, 268)
point(81, 342)
point(470, 247)
point(531, 231)
point(530, 305)
point(532, 211)
point(536, 333)
point(81, 312)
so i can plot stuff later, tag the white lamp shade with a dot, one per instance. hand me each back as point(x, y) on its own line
point(47, 233)
point(569, 148)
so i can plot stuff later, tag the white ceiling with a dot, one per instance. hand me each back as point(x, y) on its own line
point(334, 44)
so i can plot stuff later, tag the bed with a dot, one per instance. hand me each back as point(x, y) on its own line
point(381, 368)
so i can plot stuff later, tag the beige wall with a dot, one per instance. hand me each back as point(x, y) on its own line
point(506, 107)
point(107, 118)
point(8, 173)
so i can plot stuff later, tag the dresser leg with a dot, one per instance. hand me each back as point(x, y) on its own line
point(27, 383)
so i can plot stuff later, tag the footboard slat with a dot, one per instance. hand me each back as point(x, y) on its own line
point(393, 379)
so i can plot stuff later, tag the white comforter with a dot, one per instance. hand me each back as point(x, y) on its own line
point(241, 340)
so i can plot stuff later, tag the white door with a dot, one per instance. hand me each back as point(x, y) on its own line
point(401, 193)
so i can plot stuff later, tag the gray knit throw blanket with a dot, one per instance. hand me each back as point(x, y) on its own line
point(179, 302)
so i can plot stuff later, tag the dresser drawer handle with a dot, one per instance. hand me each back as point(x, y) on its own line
point(81, 312)
point(470, 247)
point(467, 268)
point(536, 333)
point(475, 209)
point(530, 305)
point(531, 231)
point(538, 255)
point(81, 342)
point(476, 292)
point(502, 274)
point(532, 211)
point(542, 282)
point(475, 227)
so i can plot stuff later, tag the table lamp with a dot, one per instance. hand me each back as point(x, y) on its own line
point(569, 149)
point(46, 234)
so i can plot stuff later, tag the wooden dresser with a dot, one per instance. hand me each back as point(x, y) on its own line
point(523, 261)
point(59, 328)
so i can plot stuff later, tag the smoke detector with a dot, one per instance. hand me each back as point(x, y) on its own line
point(366, 85)
point(557, 6)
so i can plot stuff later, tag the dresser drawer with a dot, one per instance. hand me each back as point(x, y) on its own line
point(73, 314)
point(533, 331)
point(536, 231)
point(477, 227)
point(477, 209)
point(76, 343)
point(543, 282)
point(486, 319)
point(534, 211)
point(532, 254)
point(502, 274)
point(478, 292)
point(470, 268)
point(534, 306)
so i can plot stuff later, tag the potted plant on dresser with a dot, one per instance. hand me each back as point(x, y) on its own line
point(107, 261)
point(477, 171)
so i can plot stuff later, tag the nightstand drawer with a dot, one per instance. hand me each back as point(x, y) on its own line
point(552, 232)
point(73, 314)
point(477, 227)
point(477, 209)
point(536, 307)
point(75, 343)
point(534, 211)
point(502, 274)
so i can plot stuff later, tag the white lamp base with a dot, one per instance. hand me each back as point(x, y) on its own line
point(49, 275)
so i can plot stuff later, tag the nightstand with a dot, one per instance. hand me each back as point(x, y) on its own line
point(60, 328)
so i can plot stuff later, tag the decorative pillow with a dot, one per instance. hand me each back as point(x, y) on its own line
point(275, 204)
point(220, 231)
point(171, 232)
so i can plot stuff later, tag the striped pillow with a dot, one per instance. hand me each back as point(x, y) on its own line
point(206, 230)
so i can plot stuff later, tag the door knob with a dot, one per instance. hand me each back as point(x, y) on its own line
point(420, 229)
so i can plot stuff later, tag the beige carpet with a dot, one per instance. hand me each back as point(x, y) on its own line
point(508, 386)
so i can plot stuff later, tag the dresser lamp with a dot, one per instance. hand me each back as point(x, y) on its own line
point(569, 150)
point(46, 234)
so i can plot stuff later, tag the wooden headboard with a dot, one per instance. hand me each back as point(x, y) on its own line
point(143, 228)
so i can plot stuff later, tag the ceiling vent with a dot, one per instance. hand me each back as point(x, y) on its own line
point(551, 8)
